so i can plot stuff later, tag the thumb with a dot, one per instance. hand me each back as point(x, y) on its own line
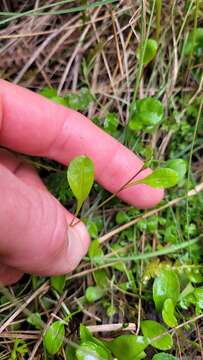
point(35, 236)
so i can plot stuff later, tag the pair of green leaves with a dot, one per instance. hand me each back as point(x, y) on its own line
point(166, 292)
point(126, 346)
point(123, 347)
point(91, 347)
point(80, 176)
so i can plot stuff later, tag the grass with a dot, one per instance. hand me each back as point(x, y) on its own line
point(134, 246)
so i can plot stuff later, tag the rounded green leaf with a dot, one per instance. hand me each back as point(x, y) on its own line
point(151, 47)
point(164, 356)
point(80, 176)
point(161, 178)
point(168, 313)
point(166, 286)
point(179, 166)
point(53, 337)
point(159, 338)
point(91, 351)
point(128, 347)
point(94, 293)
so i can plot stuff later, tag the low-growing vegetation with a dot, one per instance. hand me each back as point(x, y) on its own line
point(135, 69)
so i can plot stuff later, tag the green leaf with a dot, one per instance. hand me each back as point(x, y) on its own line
point(151, 47)
point(79, 101)
point(179, 166)
point(92, 229)
point(94, 293)
point(91, 351)
point(58, 283)
point(85, 98)
point(122, 217)
point(80, 176)
point(59, 100)
point(51, 94)
point(48, 92)
point(194, 43)
point(161, 178)
point(53, 337)
point(164, 356)
point(168, 313)
point(166, 286)
point(100, 276)
point(155, 332)
point(198, 293)
point(70, 352)
point(129, 347)
point(145, 114)
point(85, 334)
point(35, 320)
point(111, 123)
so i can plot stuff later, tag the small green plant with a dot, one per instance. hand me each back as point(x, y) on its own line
point(54, 337)
point(19, 350)
point(77, 101)
point(145, 114)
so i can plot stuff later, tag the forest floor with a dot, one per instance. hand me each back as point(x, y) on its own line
point(100, 57)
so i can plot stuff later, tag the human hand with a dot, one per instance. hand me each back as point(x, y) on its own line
point(35, 237)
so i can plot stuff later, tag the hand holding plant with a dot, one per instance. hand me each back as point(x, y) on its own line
point(34, 236)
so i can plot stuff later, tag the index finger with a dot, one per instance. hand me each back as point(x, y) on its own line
point(37, 126)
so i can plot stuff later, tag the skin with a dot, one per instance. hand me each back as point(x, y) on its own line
point(35, 237)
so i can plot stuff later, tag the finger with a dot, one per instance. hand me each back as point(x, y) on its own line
point(22, 170)
point(9, 275)
point(35, 125)
point(35, 236)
